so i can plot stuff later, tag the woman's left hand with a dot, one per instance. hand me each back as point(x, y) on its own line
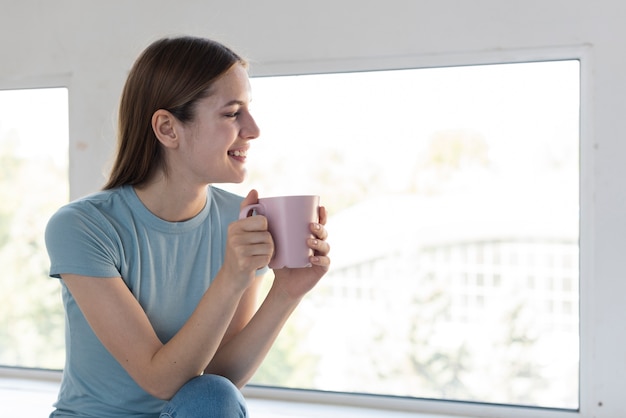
point(296, 282)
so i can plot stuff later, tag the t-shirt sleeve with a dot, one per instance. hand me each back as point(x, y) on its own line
point(80, 242)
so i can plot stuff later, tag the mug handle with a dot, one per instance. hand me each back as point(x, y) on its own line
point(247, 210)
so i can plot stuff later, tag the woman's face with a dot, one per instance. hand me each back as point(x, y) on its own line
point(214, 145)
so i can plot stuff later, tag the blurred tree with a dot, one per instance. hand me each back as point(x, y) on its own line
point(450, 153)
point(31, 314)
point(289, 363)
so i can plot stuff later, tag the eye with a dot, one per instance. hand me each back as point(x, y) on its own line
point(232, 114)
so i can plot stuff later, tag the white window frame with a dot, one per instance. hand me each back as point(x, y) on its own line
point(439, 408)
point(40, 82)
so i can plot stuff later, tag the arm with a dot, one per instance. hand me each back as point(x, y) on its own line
point(241, 356)
point(128, 335)
point(124, 329)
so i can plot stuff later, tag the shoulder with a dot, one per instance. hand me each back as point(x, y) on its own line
point(224, 199)
point(93, 206)
point(225, 205)
point(91, 213)
point(81, 237)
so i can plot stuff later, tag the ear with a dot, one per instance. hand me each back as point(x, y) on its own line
point(165, 127)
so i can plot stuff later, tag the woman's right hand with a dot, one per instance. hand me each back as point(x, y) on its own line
point(249, 245)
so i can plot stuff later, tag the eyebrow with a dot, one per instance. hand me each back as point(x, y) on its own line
point(234, 102)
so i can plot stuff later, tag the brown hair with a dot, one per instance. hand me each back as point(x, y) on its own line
point(171, 74)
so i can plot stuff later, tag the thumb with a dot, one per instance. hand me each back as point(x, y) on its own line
point(251, 199)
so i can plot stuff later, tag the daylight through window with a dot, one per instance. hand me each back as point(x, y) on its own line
point(33, 184)
point(454, 212)
point(453, 196)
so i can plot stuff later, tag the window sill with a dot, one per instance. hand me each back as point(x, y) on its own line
point(31, 397)
point(31, 393)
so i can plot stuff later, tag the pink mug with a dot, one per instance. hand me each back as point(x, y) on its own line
point(288, 219)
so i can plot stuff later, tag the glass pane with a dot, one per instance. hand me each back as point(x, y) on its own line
point(453, 200)
point(33, 184)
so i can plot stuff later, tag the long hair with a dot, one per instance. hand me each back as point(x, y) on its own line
point(171, 74)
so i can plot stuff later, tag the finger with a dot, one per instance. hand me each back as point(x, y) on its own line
point(264, 249)
point(319, 231)
point(250, 199)
point(252, 249)
point(323, 216)
point(256, 237)
point(319, 247)
point(318, 260)
point(253, 223)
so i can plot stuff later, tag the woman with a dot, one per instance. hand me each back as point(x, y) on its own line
point(159, 277)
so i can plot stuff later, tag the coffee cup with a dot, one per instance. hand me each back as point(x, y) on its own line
point(288, 219)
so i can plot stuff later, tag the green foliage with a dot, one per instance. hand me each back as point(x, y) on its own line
point(288, 363)
point(31, 313)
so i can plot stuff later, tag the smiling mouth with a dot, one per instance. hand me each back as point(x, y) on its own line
point(238, 153)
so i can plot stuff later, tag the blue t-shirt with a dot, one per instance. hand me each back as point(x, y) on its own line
point(167, 266)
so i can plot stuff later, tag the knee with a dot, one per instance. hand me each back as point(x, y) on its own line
point(209, 396)
point(225, 395)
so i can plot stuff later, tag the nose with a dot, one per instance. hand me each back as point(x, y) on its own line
point(249, 129)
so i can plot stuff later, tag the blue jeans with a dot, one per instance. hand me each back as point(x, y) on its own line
point(206, 396)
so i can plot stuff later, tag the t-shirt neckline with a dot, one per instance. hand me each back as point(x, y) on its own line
point(130, 195)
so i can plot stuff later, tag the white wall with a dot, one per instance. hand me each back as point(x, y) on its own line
point(89, 46)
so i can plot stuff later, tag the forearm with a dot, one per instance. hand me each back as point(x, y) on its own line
point(225, 308)
point(195, 344)
point(239, 358)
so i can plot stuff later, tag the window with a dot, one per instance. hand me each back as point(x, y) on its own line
point(454, 218)
point(33, 184)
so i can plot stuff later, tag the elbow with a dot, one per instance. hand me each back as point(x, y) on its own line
point(166, 393)
point(164, 383)
point(162, 389)
point(242, 382)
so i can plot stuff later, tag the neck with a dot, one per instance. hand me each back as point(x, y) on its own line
point(170, 201)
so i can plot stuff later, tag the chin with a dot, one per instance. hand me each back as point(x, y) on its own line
point(241, 178)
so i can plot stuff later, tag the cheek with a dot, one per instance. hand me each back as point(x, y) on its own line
point(208, 149)
point(210, 142)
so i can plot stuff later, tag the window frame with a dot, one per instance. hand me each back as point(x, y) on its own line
point(587, 330)
point(42, 82)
